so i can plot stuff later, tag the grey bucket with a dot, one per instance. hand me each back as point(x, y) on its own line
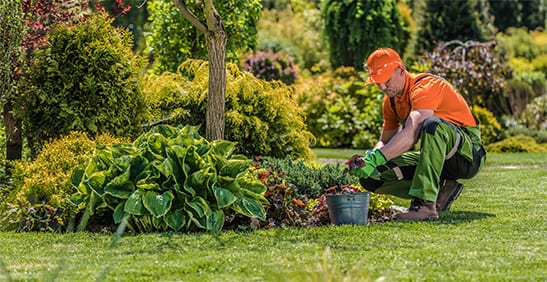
point(348, 208)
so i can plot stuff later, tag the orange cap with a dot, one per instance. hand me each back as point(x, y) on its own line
point(381, 64)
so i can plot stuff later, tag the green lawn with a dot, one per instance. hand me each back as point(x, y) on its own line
point(496, 231)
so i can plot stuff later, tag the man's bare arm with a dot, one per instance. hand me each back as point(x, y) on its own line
point(408, 136)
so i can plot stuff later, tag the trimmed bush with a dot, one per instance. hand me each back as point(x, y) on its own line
point(86, 79)
point(519, 143)
point(491, 130)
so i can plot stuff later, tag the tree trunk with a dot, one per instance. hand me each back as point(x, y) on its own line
point(216, 46)
point(14, 144)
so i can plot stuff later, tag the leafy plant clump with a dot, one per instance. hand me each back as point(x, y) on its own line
point(168, 178)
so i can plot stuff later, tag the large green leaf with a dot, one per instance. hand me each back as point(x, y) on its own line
point(202, 181)
point(233, 167)
point(251, 183)
point(249, 207)
point(200, 206)
point(175, 219)
point(134, 205)
point(224, 197)
point(215, 221)
point(119, 213)
point(157, 144)
point(223, 147)
point(138, 165)
point(77, 175)
point(78, 199)
point(96, 182)
point(158, 205)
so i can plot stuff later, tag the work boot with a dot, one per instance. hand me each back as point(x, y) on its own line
point(419, 210)
point(448, 193)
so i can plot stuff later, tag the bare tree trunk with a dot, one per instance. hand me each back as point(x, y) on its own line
point(216, 45)
point(216, 38)
point(14, 144)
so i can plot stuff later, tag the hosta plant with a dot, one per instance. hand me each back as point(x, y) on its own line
point(168, 179)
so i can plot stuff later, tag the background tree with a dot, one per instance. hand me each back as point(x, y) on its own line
point(444, 21)
point(38, 17)
point(534, 14)
point(354, 29)
point(12, 30)
point(211, 25)
point(506, 13)
point(173, 37)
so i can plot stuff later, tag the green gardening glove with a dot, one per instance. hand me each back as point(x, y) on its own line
point(372, 159)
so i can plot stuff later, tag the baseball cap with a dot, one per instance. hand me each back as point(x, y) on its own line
point(380, 65)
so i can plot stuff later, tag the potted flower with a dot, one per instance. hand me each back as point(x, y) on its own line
point(345, 204)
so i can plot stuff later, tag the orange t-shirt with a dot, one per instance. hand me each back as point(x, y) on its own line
point(430, 93)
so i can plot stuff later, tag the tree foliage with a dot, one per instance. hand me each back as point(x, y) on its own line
point(442, 21)
point(12, 30)
point(173, 39)
point(356, 28)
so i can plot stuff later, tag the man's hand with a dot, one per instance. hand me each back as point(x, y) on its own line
point(364, 167)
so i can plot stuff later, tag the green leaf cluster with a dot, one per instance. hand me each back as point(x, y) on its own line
point(85, 79)
point(168, 178)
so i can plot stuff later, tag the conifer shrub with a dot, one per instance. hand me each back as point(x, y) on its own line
point(86, 79)
point(262, 117)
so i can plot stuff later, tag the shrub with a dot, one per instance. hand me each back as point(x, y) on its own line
point(535, 114)
point(38, 200)
point(539, 135)
point(518, 143)
point(307, 180)
point(490, 128)
point(296, 33)
point(270, 66)
point(86, 79)
point(340, 110)
point(262, 117)
point(477, 69)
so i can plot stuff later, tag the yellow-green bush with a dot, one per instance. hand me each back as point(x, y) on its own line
point(490, 127)
point(39, 199)
point(518, 143)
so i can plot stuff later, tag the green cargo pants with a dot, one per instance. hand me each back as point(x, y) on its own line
point(446, 152)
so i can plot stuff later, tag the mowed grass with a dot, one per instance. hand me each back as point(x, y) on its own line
point(496, 231)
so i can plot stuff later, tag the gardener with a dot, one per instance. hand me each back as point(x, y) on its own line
point(425, 108)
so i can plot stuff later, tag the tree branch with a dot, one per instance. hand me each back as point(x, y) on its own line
point(190, 16)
